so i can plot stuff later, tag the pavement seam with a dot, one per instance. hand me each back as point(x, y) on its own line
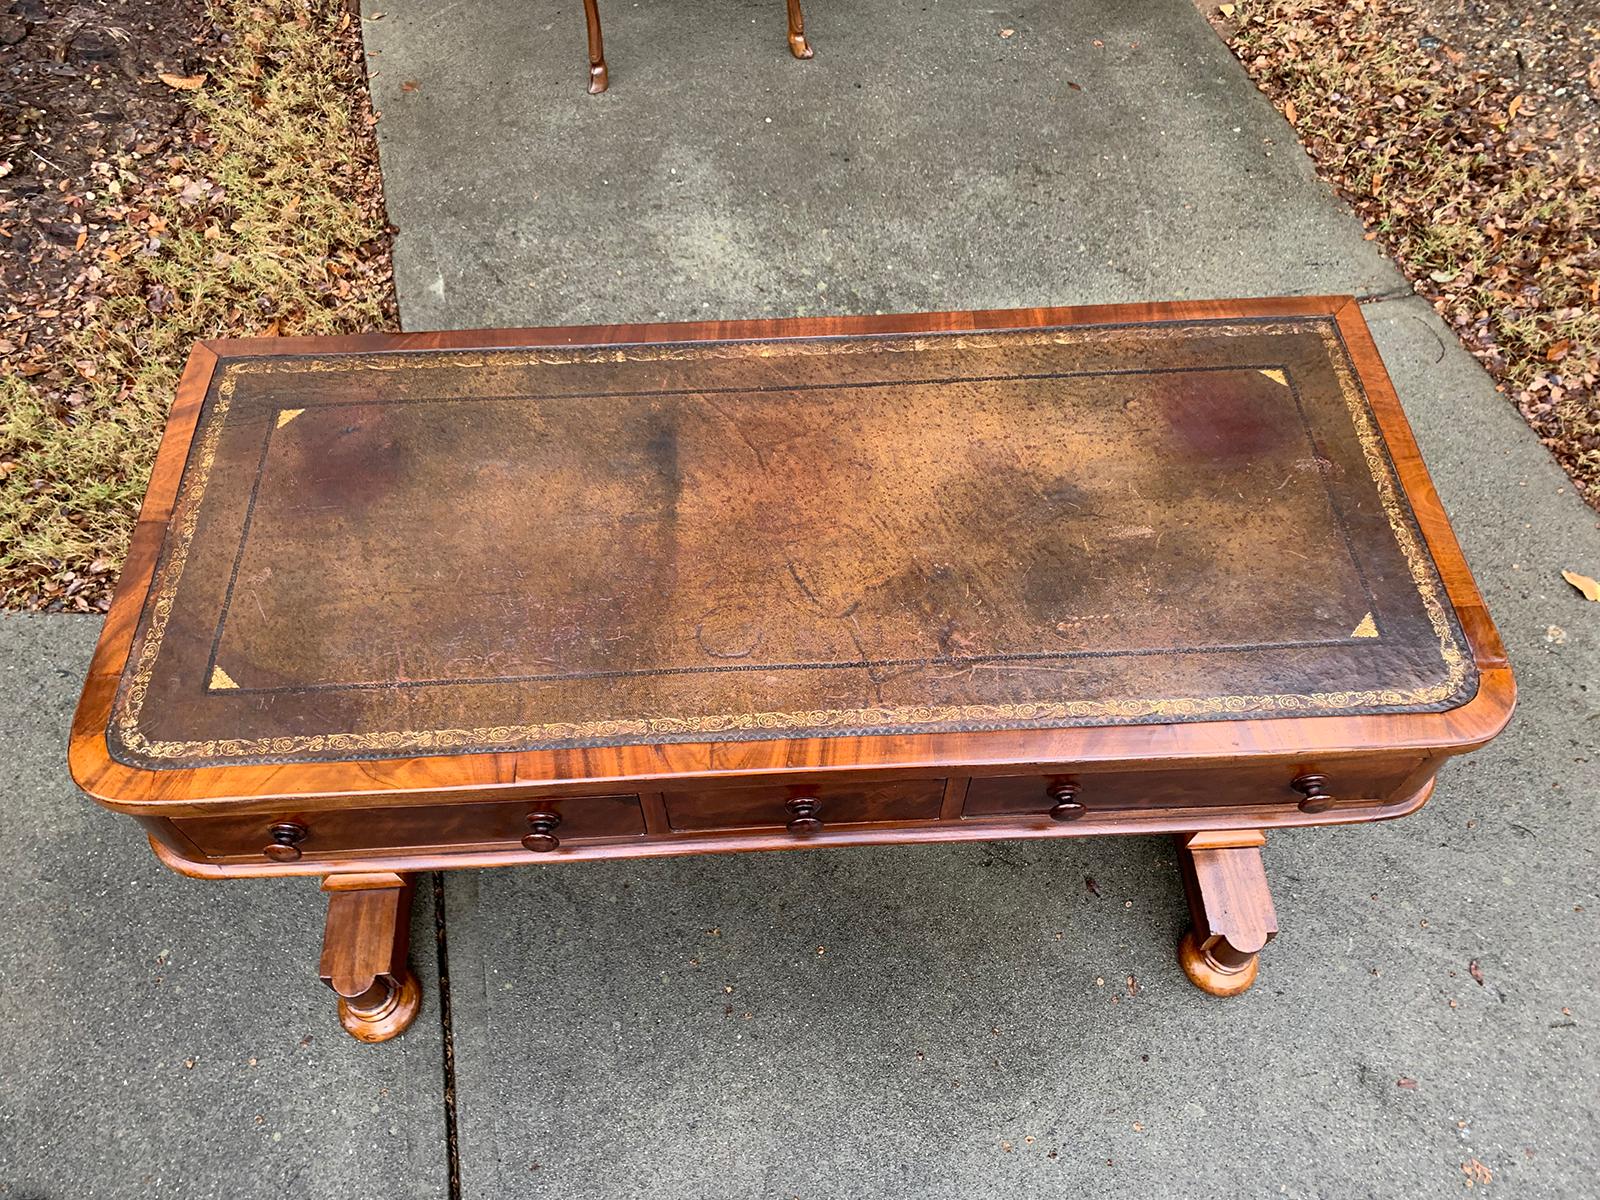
point(452, 1145)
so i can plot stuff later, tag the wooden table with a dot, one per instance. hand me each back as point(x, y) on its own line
point(411, 603)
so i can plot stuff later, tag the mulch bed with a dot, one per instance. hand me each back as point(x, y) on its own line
point(1463, 132)
point(73, 98)
point(169, 170)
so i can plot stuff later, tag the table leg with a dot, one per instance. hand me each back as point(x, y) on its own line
point(364, 952)
point(598, 76)
point(1230, 906)
point(798, 46)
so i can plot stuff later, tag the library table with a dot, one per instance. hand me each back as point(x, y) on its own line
point(410, 603)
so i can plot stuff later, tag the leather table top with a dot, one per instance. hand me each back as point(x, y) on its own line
point(460, 551)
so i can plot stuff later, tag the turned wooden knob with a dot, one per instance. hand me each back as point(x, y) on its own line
point(1065, 798)
point(1315, 790)
point(804, 810)
point(286, 838)
point(541, 837)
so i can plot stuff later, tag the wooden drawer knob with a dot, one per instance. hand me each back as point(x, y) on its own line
point(1064, 802)
point(541, 837)
point(1315, 790)
point(803, 810)
point(285, 844)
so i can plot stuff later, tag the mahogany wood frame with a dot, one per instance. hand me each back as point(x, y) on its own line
point(1221, 862)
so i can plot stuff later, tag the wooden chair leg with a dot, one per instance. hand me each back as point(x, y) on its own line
point(598, 76)
point(1230, 907)
point(364, 952)
point(798, 46)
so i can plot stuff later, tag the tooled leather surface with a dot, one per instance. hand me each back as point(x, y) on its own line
point(463, 551)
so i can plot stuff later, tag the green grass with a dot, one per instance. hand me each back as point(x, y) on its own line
point(275, 226)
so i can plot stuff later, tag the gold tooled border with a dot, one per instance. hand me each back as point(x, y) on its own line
point(405, 742)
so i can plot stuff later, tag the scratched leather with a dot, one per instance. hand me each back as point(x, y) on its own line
point(468, 552)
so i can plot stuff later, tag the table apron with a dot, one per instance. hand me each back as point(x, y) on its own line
point(688, 817)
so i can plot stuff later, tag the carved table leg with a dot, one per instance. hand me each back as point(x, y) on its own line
point(598, 76)
point(364, 951)
point(798, 46)
point(1230, 907)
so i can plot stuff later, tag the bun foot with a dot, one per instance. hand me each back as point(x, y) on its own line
point(599, 79)
point(389, 1015)
point(1230, 909)
point(364, 954)
point(798, 46)
point(1207, 974)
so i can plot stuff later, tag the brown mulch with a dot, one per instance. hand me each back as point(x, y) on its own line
point(71, 101)
point(1464, 134)
point(170, 170)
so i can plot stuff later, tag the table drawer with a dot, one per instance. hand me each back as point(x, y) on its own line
point(1363, 782)
point(834, 804)
point(579, 819)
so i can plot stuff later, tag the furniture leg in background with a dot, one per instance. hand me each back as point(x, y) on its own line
point(798, 46)
point(598, 77)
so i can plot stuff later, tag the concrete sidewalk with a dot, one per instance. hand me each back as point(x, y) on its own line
point(968, 1028)
point(164, 1036)
point(955, 1038)
point(919, 161)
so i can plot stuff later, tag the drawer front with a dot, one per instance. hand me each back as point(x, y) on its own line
point(835, 804)
point(579, 819)
point(1356, 783)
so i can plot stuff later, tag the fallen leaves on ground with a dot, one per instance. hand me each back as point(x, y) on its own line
point(259, 212)
point(1474, 169)
point(1589, 587)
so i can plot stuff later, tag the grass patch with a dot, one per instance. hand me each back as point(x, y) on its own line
point(270, 220)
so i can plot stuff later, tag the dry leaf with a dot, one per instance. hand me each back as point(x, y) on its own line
point(1225, 9)
point(1586, 585)
point(1511, 110)
point(184, 83)
point(1475, 971)
point(1005, 33)
point(410, 85)
point(1405, 1082)
point(1558, 351)
point(1291, 112)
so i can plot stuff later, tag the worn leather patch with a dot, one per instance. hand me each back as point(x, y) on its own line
point(388, 554)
